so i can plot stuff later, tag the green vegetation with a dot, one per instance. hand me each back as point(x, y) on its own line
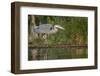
point(75, 29)
point(75, 33)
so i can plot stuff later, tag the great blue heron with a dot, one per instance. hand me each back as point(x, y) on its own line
point(46, 29)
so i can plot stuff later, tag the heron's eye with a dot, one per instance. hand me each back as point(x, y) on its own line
point(51, 28)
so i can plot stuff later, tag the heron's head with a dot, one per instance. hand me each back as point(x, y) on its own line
point(58, 26)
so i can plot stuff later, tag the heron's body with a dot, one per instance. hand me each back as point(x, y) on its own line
point(46, 29)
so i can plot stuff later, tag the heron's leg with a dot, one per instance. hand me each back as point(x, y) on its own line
point(47, 38)
point(45, 57)
point(39, 35)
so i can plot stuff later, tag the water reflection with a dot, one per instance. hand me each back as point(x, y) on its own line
point(56, 53)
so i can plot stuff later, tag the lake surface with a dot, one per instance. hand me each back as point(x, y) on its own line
point(57, 53)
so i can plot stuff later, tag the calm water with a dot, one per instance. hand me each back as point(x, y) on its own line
point(56, 53)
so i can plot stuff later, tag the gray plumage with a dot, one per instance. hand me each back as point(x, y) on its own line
point(47, 28)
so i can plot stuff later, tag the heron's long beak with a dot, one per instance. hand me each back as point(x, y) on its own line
point(58, 26)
